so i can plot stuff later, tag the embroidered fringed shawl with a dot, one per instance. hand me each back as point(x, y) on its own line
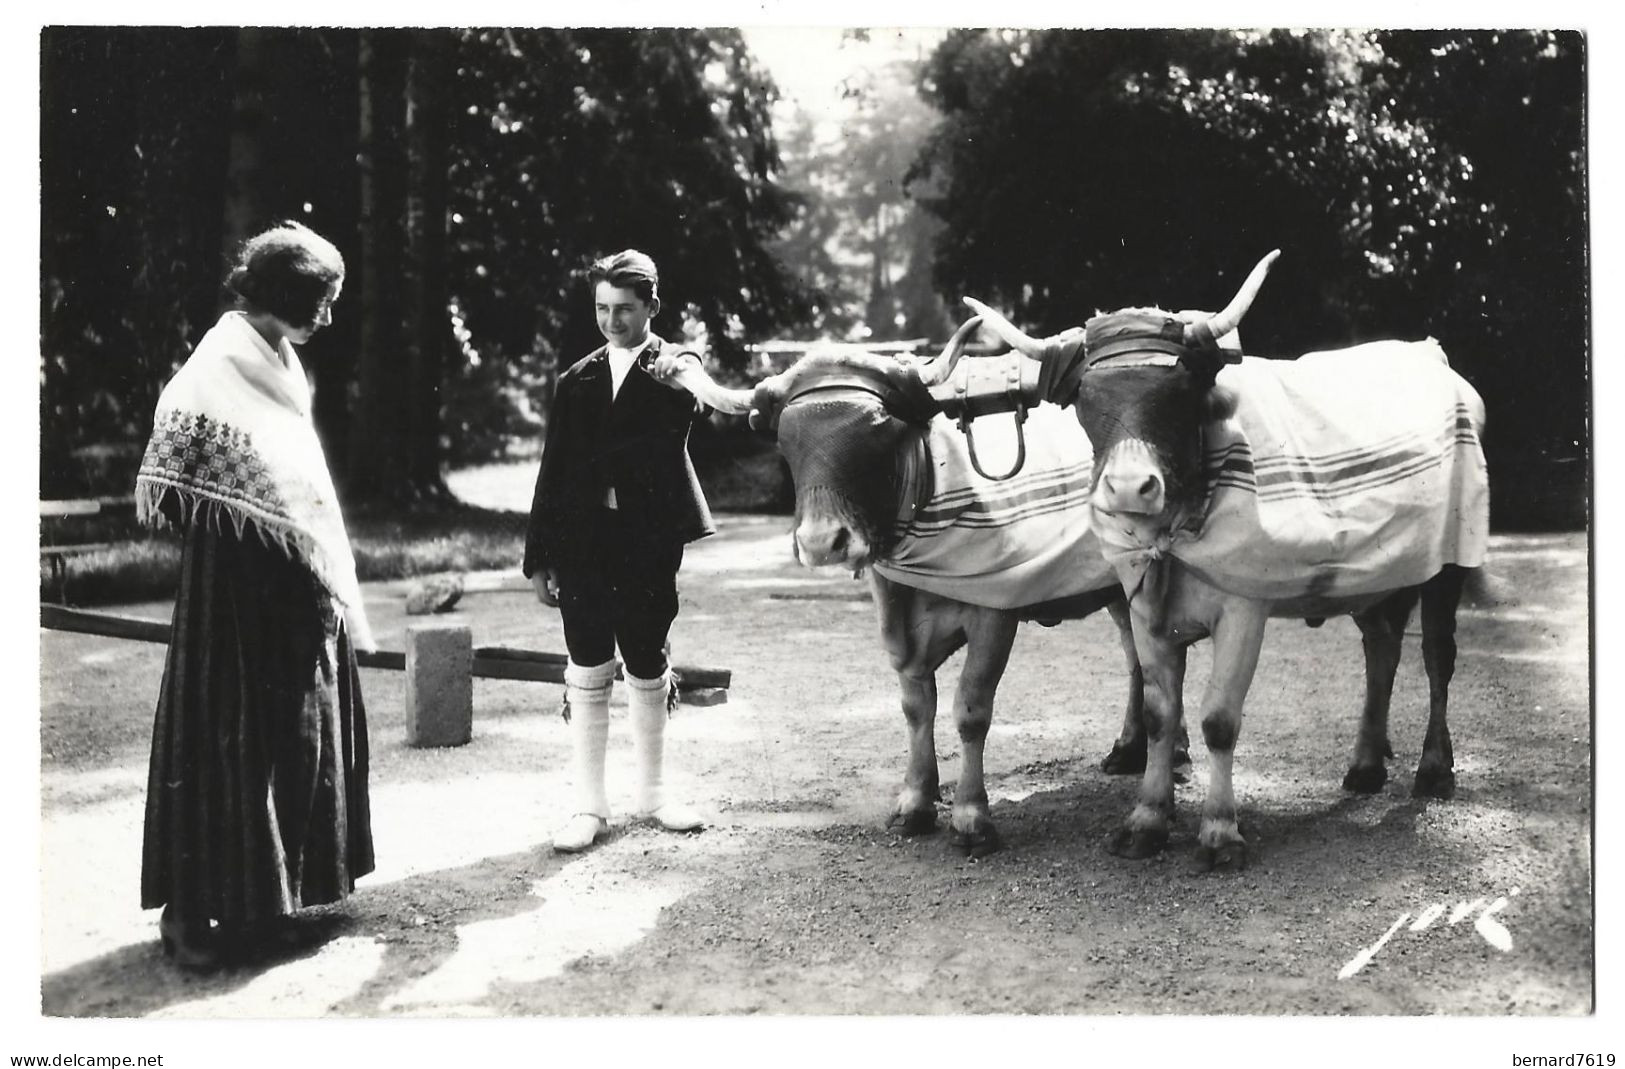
point(233, 442)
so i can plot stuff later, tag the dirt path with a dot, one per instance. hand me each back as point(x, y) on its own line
point(798, 901)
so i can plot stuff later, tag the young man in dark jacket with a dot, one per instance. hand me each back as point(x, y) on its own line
point(616, 501)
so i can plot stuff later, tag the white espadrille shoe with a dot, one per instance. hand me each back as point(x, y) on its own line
point(579, 832)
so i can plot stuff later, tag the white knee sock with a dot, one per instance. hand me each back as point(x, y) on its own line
point(587, 691)
point(648, 712)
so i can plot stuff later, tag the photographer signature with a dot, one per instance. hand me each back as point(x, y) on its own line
point(1493, 931)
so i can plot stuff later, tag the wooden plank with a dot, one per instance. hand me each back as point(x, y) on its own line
point(78, 549)
point(550, 667)
point(53, 509)
point(62, 618)
point(508, 653)
point(394, 660)
point(490, 662)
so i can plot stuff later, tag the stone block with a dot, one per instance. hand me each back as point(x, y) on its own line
point(437, 594)
point(439, 684)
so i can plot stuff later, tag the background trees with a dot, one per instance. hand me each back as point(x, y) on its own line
point(468, 176)
point(861, 240)
point(1419, 182)
point(572, 143)
point(122, 160)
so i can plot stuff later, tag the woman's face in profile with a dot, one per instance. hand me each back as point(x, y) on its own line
point(324, 315)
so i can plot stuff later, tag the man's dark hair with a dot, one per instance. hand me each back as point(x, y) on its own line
point(628, 269)
point(286, 271)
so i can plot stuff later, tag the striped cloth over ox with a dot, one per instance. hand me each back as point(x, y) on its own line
point(1006, 544)
point(1341, 474)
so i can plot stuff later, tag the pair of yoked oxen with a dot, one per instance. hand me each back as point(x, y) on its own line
point(1145, 419)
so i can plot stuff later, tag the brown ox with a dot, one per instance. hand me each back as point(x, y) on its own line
point(855, 430)
point(1388, 514)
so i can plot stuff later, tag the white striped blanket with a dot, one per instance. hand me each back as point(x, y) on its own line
point(1341, 474)
point(1007, 544)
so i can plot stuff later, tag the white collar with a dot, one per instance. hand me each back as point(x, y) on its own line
point(632, 353)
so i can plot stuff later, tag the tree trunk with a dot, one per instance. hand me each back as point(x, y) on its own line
point(381, 412)
point(428, 347)
point(880, 312)
point(245, 207)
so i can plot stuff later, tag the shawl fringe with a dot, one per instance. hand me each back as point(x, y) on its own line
point(199, 506)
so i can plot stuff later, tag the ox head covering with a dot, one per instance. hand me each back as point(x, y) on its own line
point(1149, 331)
point(895, 385)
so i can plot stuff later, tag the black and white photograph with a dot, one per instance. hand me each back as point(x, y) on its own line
point(760, 524)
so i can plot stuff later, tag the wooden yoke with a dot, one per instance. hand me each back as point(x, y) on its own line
point(985, 386)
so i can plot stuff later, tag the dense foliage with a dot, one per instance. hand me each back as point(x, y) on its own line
point(1417, 183)
point(573, 143)
point(161, 147)
point(123, 291)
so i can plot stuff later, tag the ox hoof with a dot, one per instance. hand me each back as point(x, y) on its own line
point(979, 842)
point(913, 822)
point(1433, 783)
point(1137, 843)
point(1226, 857)
point(1124, 760)
point(1365, 779)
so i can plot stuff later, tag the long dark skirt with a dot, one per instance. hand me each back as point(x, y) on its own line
point(257, 790)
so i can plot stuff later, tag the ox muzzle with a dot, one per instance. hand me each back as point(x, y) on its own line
point(1131, 481)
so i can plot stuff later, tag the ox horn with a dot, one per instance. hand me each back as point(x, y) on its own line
point(766, 401)
point(1229, 319)
point(691, 375)
point(935, 372)
point(1012, 335)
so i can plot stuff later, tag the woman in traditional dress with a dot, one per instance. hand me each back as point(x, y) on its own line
point(257, 789)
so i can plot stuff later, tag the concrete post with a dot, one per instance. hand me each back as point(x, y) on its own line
point(439, 684)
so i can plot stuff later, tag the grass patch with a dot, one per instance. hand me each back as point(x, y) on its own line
point(143, 565)
point(740, 473)
point(457, 539)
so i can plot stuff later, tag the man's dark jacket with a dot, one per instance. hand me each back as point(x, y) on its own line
point(637, 443)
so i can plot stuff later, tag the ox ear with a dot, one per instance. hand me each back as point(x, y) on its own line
point(909, 399)
point(766, 402)
point(1220, 403)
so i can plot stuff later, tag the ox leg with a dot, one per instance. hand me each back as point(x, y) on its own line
point(916, 810)
point(1237, 637)
point(1382, 632)
point(1128, 752)
point(1436, 775)
point(1145, 832)
point(992, 634)
point(918, 637)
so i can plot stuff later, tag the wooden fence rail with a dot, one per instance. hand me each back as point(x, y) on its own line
point(490, 662)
